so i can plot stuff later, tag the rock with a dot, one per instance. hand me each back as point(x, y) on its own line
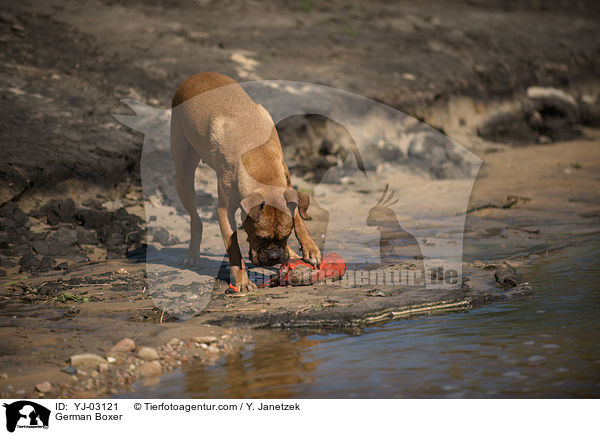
point(147, 353)
point(507, 276)
point(174, 342)
point(86, 237)
point(123, 346)
point(376, 292)
point(160, 235)
point(589, 108)
point(62, 266)
point(439, 155)
point(70, 370)
point(86, 360)
point(44, 387)
point(150, 369)
point(34, 262)
point(554, 100)
point(213, 348)
point(4, 242)
point(103, 368)
point(208, 339)
point(111, 359)
point(58, 211)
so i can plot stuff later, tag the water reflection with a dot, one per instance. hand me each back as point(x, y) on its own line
point(273, 366)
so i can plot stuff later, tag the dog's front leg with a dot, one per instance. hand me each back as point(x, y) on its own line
point(310, 251)
point(238, 270)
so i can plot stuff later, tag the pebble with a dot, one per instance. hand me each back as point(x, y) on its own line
point(212, 348)
point(123, 346)
point(111, 359)
point(103, 368)
point(536, 358)
point(70, 370)
point(174, 342)
point(88, 360)
point(44, 387)
point(208, 339)
point(4, 376)
point(150, 369)
point(147, 353)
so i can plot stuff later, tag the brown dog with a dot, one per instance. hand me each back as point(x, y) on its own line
point(215, 120)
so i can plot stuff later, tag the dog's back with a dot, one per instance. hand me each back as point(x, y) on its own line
point(213, 114)
point(198, 84)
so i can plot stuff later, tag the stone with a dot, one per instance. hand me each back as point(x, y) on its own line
point(44, 387)
point(507, 276)
point(546, 99)
point(376, 292)
point(150, 369)
point(86, 360)
point(208, 339)
point(111, 359)
point(103, 368)
point(70, 370)
point(147, 353)
point(213, 348)
point(160, 235)
point(123, 346)
point(174, 342)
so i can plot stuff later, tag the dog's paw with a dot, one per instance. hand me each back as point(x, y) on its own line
point(311, 254)
point(191, 262)
point(243, 283)
point(248, 287)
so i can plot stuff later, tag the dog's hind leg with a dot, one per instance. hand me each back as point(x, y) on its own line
point(185, 160)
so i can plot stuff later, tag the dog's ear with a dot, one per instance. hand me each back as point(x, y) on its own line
point(253, 205)
point(303, 203)
point(291, 199)
point(297, 200)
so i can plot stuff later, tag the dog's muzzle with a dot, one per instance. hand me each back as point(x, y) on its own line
point(272, 255)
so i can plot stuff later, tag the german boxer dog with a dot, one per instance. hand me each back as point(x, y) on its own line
point(216, 121)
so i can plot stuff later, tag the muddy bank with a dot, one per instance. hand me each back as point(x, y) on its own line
point(74, 319)
point(64, 68)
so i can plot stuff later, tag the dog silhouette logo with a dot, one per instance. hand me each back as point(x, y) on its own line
point(26, 414)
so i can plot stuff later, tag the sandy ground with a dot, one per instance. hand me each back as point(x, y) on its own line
point(73, 281)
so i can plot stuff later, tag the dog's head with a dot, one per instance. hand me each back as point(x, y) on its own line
point(268, 219)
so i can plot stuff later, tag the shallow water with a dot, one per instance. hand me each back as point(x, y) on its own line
point(546, 345)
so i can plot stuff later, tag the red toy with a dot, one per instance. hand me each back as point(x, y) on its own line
point(298, 272)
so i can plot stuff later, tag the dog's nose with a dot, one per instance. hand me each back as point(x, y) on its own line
point(273, 256)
